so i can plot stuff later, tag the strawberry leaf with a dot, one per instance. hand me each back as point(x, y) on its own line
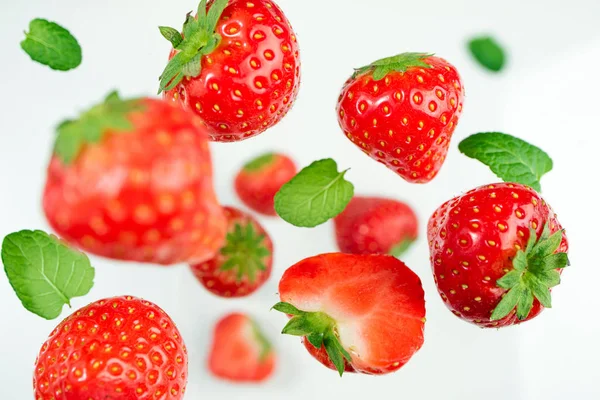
point(263, 341)
point(508, 303)
point(525, 303)
point(172, 35)
point(245, 252)
point(287, 308)
point(335, 352)
point(44, 272)
point(398, 63)
point(316, 194)
point(487, 52)
point(510, 158)
point(50, 44)
point(399, 249)
point(259, 162)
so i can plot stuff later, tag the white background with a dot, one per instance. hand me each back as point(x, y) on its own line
point(549, 95)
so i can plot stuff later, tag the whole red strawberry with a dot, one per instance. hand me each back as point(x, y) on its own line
point(132, 180)
point(243, 264)
point(402, 112)
point(496, 252)
point(374, 225)
point(240, 352)
point(117, 348)
point(356, 313)
point(260, 179)
point(237, 66)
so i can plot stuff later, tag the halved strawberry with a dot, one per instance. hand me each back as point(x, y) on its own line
point(240, 352)
point(244, 263)
point(359, 313)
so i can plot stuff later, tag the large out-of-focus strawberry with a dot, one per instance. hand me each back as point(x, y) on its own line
point(116, 348)
point(260, 179)
point(496, 252)
point(237, 67)
point(356, 313)
point(375, 225)
point(402, 112)
point(132, 180)
point(240, 352)
point(243, 264)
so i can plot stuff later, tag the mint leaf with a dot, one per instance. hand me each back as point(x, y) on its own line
point(487, 52)
point(318, 193)
point(510, 158)
point(44, 272)
point(50, 44)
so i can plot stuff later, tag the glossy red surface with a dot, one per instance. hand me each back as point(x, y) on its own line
point(117, 348)
point(251, 80)
point(405, 120)
point(472, 241)
point(145, 195)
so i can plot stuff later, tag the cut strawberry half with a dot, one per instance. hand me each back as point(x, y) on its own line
point(362, 313)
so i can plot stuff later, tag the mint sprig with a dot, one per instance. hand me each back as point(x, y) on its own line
point(487, 52)
point(316, 194)
point(50, 44)
point(510, 158)
point(398, 63)
point(199, 39)
point(535, 273)
point(319, 329)
point(44, 272)
point(112, 114)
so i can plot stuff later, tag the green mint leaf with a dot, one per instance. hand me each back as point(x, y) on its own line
point(50, 44)
point(398, 63)
point(318, 193)
point(399, 249)
point(259, 162)
point(510, 158)
point(509, 280)
point(111, 115)
point(44, 272)
point(487, 52)
point(524, 304)
point(287, 308)
point(508, 303)
point(172, 35)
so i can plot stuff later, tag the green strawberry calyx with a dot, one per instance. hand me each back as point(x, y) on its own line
point(534, 274)
point(259, 162)
point(263, 342)
point(399, 63)
point(199, 39)
point(401, 247)
point(319, 329)
point(245, 252)
point(111, 115)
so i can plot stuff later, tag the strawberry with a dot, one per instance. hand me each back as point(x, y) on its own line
point(116, 348)
point(240, 352)
point(402, 112)
point(245, 261)
point(132, 180)
point(496, 252)
point(374, 225)
point(237, 67)
point(356, 313)
point(260, 179)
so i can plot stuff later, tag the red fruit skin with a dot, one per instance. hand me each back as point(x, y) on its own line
point(257, 188)
point(406, 120)
point(224, 283)
point(371, 225)
point(117, 348)
point(250, 82)
point(472, 241)
point(376, 300)
point(235, 353)
point(145, 195)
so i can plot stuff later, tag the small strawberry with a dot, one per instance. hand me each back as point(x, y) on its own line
point(402, 112)
point(245, 261)
point(132, 180)
point(260, 179)
point(356, 313)
point(240, 352)
point(496, 252)
point(116, 348)
point(237, 67)
point(373, 225)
